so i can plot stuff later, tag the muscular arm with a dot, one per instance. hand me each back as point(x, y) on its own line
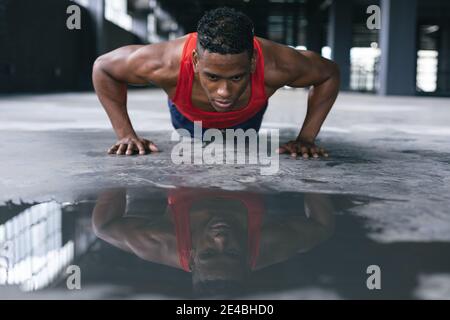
point(282, 239)
point(323, 75)
point(150, 239)
point(138, 65)
point(301, 68)
point(108, 222)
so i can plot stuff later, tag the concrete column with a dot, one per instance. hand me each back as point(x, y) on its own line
point(96, 9)
point(285, 26)
point(314, 39)
point(397, 74)
point(340, 37)
point(443, 75)
point(139, 27)
point(295, 19)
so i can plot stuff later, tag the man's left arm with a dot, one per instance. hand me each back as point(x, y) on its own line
point(308, 69)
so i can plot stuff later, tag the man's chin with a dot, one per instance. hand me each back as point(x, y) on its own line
point(222, 109)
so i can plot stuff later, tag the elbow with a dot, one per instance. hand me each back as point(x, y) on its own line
point(97, 69)
point(335, 71)
point(100, 70)
point(99, 231)
point(335, 76)
point(99, 64)
point(103, 64)
point(97, 227)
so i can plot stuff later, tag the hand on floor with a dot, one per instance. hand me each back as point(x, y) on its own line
point(132, 145)
point(302, 148)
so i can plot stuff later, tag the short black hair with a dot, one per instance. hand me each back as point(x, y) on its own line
point(226, 31)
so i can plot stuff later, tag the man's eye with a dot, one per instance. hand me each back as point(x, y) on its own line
point(233, 253)
point(238, 78)
point(213, 78)
point(207, 254)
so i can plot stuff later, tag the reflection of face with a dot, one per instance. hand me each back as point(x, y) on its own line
point(219, 239)
point(223, 77)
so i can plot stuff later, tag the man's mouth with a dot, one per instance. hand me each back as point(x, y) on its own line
point(223, 104)
point(220, 226)
point(219, 223)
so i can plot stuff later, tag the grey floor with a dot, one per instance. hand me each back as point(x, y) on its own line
point(396, 149)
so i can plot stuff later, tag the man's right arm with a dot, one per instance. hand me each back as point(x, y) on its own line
point(135, 64)
point(149, 238)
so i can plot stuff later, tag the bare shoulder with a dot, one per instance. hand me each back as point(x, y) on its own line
point(156, 63)
point(160, 62)
point(279, 63)
point(285, 65)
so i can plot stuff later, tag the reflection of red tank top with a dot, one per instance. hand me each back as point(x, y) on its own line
point(183, 92)
point(180, 201)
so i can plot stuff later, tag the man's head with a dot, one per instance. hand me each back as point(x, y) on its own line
point(219, 257)
point(224, 57)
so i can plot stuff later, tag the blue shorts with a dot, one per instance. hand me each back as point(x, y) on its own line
point(179, 121)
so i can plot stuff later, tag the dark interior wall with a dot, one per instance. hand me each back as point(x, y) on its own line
point(193, 10)
point(39, 53)
point(114, 37)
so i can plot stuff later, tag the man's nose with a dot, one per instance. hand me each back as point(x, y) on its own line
point(224, 90)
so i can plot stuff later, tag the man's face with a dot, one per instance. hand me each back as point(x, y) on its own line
point(219, 240)
point(223, 77)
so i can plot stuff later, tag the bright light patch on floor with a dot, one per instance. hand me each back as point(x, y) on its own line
point(433, 287)
point(31, 250)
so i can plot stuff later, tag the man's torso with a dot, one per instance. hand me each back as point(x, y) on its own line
point(198, 96)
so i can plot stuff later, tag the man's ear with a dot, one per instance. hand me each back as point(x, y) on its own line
point(253, 61)
point(195, 58)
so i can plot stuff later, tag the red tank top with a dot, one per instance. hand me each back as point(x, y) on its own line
point(220, 120)
point(180, 201)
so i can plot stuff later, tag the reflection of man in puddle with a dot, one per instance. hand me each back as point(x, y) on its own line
point(216, 235)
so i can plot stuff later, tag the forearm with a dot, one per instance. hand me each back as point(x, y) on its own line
point(113, 97)
point(320, 100)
